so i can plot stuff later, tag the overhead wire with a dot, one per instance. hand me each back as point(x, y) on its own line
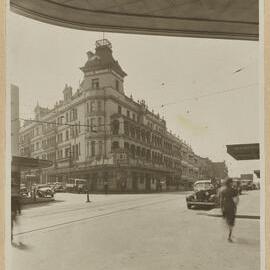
point(209, 94)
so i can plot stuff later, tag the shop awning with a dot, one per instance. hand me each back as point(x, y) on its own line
point(30, 163)
point(237, 19)
point(244, 151)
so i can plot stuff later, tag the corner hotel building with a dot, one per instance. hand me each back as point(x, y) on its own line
point(100, 134)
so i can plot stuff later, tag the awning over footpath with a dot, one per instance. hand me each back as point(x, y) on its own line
point(244, 151)
point(30, 163)
point(238, 19)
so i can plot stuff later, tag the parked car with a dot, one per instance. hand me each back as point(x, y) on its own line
point(247, 184)
point(24, 192)
point(76, 185)
point(59, 187)
point(44, 191)
point(237, 186)
point(204, 195)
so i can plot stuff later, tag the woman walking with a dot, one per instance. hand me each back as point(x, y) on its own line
point(228, 203)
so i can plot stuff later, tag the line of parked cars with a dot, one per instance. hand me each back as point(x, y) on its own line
point(37, 191)
point(48, 190)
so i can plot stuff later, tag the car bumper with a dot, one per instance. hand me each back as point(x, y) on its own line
point(202, 203)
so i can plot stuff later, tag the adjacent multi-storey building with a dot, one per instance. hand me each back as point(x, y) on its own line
point(100, 134)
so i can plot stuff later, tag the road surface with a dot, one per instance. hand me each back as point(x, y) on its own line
point(135, 231)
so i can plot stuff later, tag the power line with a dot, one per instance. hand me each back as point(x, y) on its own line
point(209, 94)
point(61, 124)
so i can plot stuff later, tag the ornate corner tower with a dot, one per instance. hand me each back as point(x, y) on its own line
point(102, 70)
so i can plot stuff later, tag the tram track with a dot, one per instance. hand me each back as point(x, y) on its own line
point(92, 217)
point(90, 206)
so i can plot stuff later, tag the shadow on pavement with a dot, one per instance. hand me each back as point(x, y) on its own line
point(246, 241)
point(21, 246)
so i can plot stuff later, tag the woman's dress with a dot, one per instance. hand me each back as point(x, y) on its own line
point(228, 205)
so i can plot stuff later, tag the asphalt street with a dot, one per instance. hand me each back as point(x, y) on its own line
point(135, 231)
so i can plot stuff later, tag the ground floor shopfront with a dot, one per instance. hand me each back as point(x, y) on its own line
point(120, 179)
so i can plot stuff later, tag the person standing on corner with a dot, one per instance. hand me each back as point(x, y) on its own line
point(228, 202)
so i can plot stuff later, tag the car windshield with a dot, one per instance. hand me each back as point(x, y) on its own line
point(203, 186)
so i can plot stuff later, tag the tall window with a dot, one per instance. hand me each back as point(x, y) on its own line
point(71, 115)
point(117, 85)
point(93, 124)
point(92, 103)
point(88, 124)
point(99, 106)
point(60, 137)
point(67, 135)
point(119, 109)
point(72, 132)
point(115, 127)
point(93, 148)
point(100, 147)
point(128, 114)
point(95, 83)
point(77, 151)
point(67, 152)
point(75, 114)
point(115, 145)
point(99, 123)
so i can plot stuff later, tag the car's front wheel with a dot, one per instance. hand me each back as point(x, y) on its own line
point(188, 206)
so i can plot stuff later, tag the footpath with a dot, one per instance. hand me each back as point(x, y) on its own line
point(248, 207)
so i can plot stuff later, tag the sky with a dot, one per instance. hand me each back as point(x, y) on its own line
point(206, 89)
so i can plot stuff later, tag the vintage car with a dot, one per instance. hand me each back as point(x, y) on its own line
point(44, 191)
point(237, 186)
point(205, 195)
point(59, 187)
point(24, 193)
